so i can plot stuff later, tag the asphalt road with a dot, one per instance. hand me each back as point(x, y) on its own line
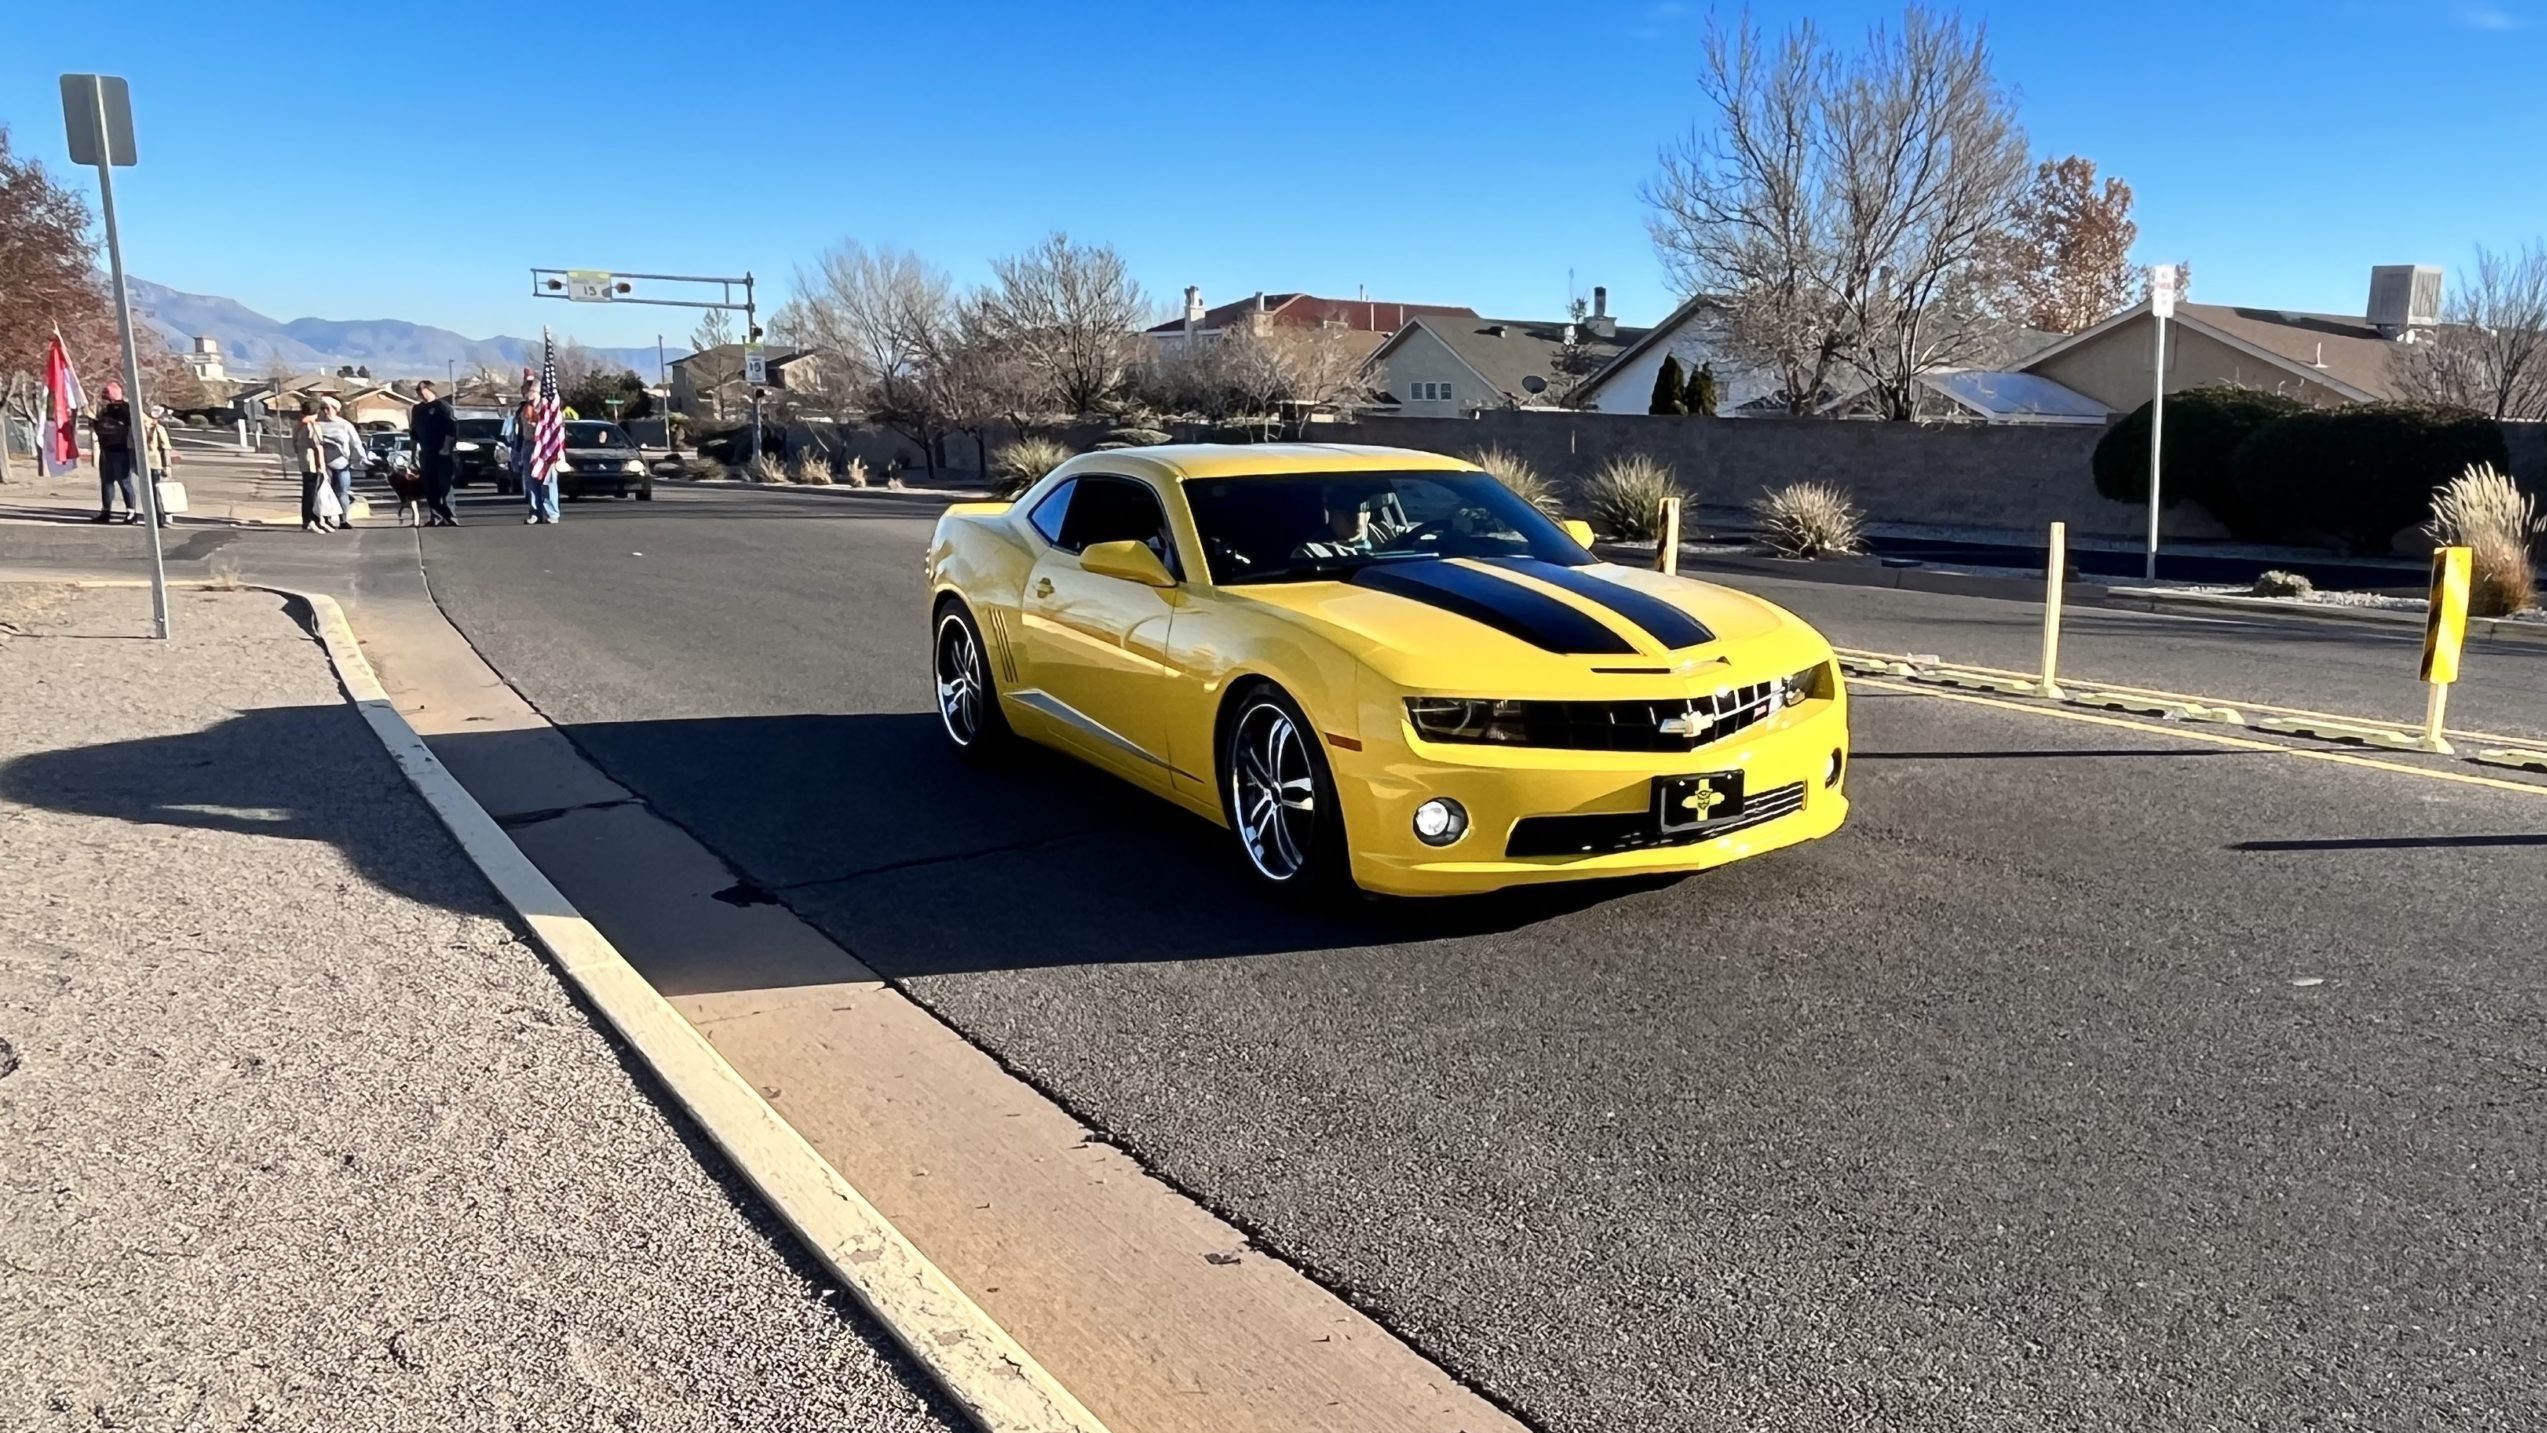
point(2092, 1077)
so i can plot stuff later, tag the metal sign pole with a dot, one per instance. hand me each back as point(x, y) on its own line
point(138, 411)
point(2162, 302)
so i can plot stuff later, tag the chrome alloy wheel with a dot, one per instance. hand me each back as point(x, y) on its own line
point(1272, 794)
point(961, 686)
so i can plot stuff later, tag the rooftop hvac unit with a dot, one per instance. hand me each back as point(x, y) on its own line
point(2404, 297)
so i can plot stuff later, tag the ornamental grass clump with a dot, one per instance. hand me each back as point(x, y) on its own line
point(1021, 463)
point(1809, 520)
point(2278, 583)
point(1514, 471)
point(1626, 497)
point(2483, 511)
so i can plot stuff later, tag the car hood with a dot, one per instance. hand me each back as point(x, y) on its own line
point(1524, 629)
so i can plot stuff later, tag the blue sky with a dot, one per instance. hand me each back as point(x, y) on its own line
point(1467, 153)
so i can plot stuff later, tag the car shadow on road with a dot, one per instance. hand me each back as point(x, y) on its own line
point(869, 828)
point(295, 773)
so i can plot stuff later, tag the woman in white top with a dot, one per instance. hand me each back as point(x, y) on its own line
point(341, 452)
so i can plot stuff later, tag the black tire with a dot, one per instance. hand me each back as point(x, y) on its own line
point(646, 493)
point(1267, 749)
point(976, 728)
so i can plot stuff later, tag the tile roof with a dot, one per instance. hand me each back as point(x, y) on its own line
point(2342, 347)
point(1298, 310)
point(1525, 348)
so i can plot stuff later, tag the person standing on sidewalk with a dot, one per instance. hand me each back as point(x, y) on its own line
point(158, 456)
point(341, 448)
point(113, 425)
point(436, 432)
point(538, 489)
point(313, 460)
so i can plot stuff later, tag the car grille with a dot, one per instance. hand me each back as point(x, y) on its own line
point(1638, 726)
point(1635, 830)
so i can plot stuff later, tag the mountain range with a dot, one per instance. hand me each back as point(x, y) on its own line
point(390, 348)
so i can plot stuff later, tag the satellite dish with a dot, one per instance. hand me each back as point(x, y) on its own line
point(1534, 384)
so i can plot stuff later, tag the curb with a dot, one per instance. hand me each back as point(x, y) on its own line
point(835, 490)
point(971, 1358)
point(2142, 599)
point(2027, 588)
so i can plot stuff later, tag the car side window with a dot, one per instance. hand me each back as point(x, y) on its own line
point(1115, 510)
point(1047, 516)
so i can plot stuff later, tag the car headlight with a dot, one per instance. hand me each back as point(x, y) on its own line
point(464, 447)
point(1813, 681)
point(632, 466)
point(1472, 719)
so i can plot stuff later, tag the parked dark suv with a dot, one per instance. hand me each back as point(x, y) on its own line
point(602, 458)
point(477, 452)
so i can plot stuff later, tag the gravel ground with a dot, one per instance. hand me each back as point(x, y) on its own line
point(299, 1134)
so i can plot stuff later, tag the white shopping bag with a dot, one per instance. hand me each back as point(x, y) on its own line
point(326, 506)
point(172, 497)
point(360, 509)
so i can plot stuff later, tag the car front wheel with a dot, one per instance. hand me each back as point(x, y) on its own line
point(1280, 798)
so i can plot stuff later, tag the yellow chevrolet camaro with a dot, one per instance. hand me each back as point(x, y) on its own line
point(1381, 667)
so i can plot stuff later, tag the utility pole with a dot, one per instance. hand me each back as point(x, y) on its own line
point(751, 347)
point(97, 113)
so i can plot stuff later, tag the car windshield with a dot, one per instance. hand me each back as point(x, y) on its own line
point(595, 435)
point(1324, 525)
point(479, 428)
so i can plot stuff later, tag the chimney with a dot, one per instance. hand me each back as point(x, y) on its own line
point(1600, 323)
point(2403, 298)
point(1193, 305)
point(1260, 300)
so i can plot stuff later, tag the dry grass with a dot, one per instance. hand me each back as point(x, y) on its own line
point(1809, 520)
point(1626, 497)
point(1514, 471)
point(2278, 583)
point(857, 476)
point(811, 468)
point(764, 469)
point(1019, 465)
point(2487, 513)
point(221, 573)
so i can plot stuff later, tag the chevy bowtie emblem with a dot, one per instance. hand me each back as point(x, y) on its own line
point(1678, 724)
point(1703, 800)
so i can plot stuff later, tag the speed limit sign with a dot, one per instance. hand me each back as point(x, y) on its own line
point(588, 286)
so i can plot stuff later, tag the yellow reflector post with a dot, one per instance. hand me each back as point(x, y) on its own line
point(2445, 628)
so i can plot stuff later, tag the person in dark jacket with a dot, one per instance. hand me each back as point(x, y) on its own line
point(436, 431)
point(116, 450)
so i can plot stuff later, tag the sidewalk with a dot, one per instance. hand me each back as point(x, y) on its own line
point(300, 1133)
point(223, 485)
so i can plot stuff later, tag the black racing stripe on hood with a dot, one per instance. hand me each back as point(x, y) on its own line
point(1508, 607)
point(1662, 621)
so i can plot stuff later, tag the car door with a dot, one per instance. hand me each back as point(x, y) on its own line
point(1096, 646)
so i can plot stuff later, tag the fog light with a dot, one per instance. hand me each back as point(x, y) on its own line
point(1440, 821)
point(1831, 773)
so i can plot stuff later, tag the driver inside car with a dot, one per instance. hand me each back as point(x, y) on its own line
point(1356, 526)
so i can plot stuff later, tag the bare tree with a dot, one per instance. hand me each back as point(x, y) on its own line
point(1070, 310)
point(890, 318)
point(715, 329)
point(1840, 203)
point(2065, 258)
point(2490, 352)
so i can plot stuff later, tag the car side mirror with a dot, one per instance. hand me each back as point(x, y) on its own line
point(1128, 560)
point(1578, 529)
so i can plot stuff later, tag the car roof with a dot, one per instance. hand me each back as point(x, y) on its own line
point(1176, 462)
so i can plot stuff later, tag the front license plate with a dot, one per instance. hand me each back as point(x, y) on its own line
point(1686, 803)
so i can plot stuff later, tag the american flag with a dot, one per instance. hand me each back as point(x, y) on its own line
point(548, 422)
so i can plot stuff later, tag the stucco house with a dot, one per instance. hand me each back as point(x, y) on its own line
point(1439, 366)
point(2318, 358)
point(709, 383)
point(1374, 319)
point(1695, 334)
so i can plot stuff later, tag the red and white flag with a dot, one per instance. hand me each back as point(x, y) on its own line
point(548, 429)
point(58, 445)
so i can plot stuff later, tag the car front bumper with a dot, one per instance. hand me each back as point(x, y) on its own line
point(1785, 763)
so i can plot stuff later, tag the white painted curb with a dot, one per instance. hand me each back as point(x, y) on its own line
point(979, 1366)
